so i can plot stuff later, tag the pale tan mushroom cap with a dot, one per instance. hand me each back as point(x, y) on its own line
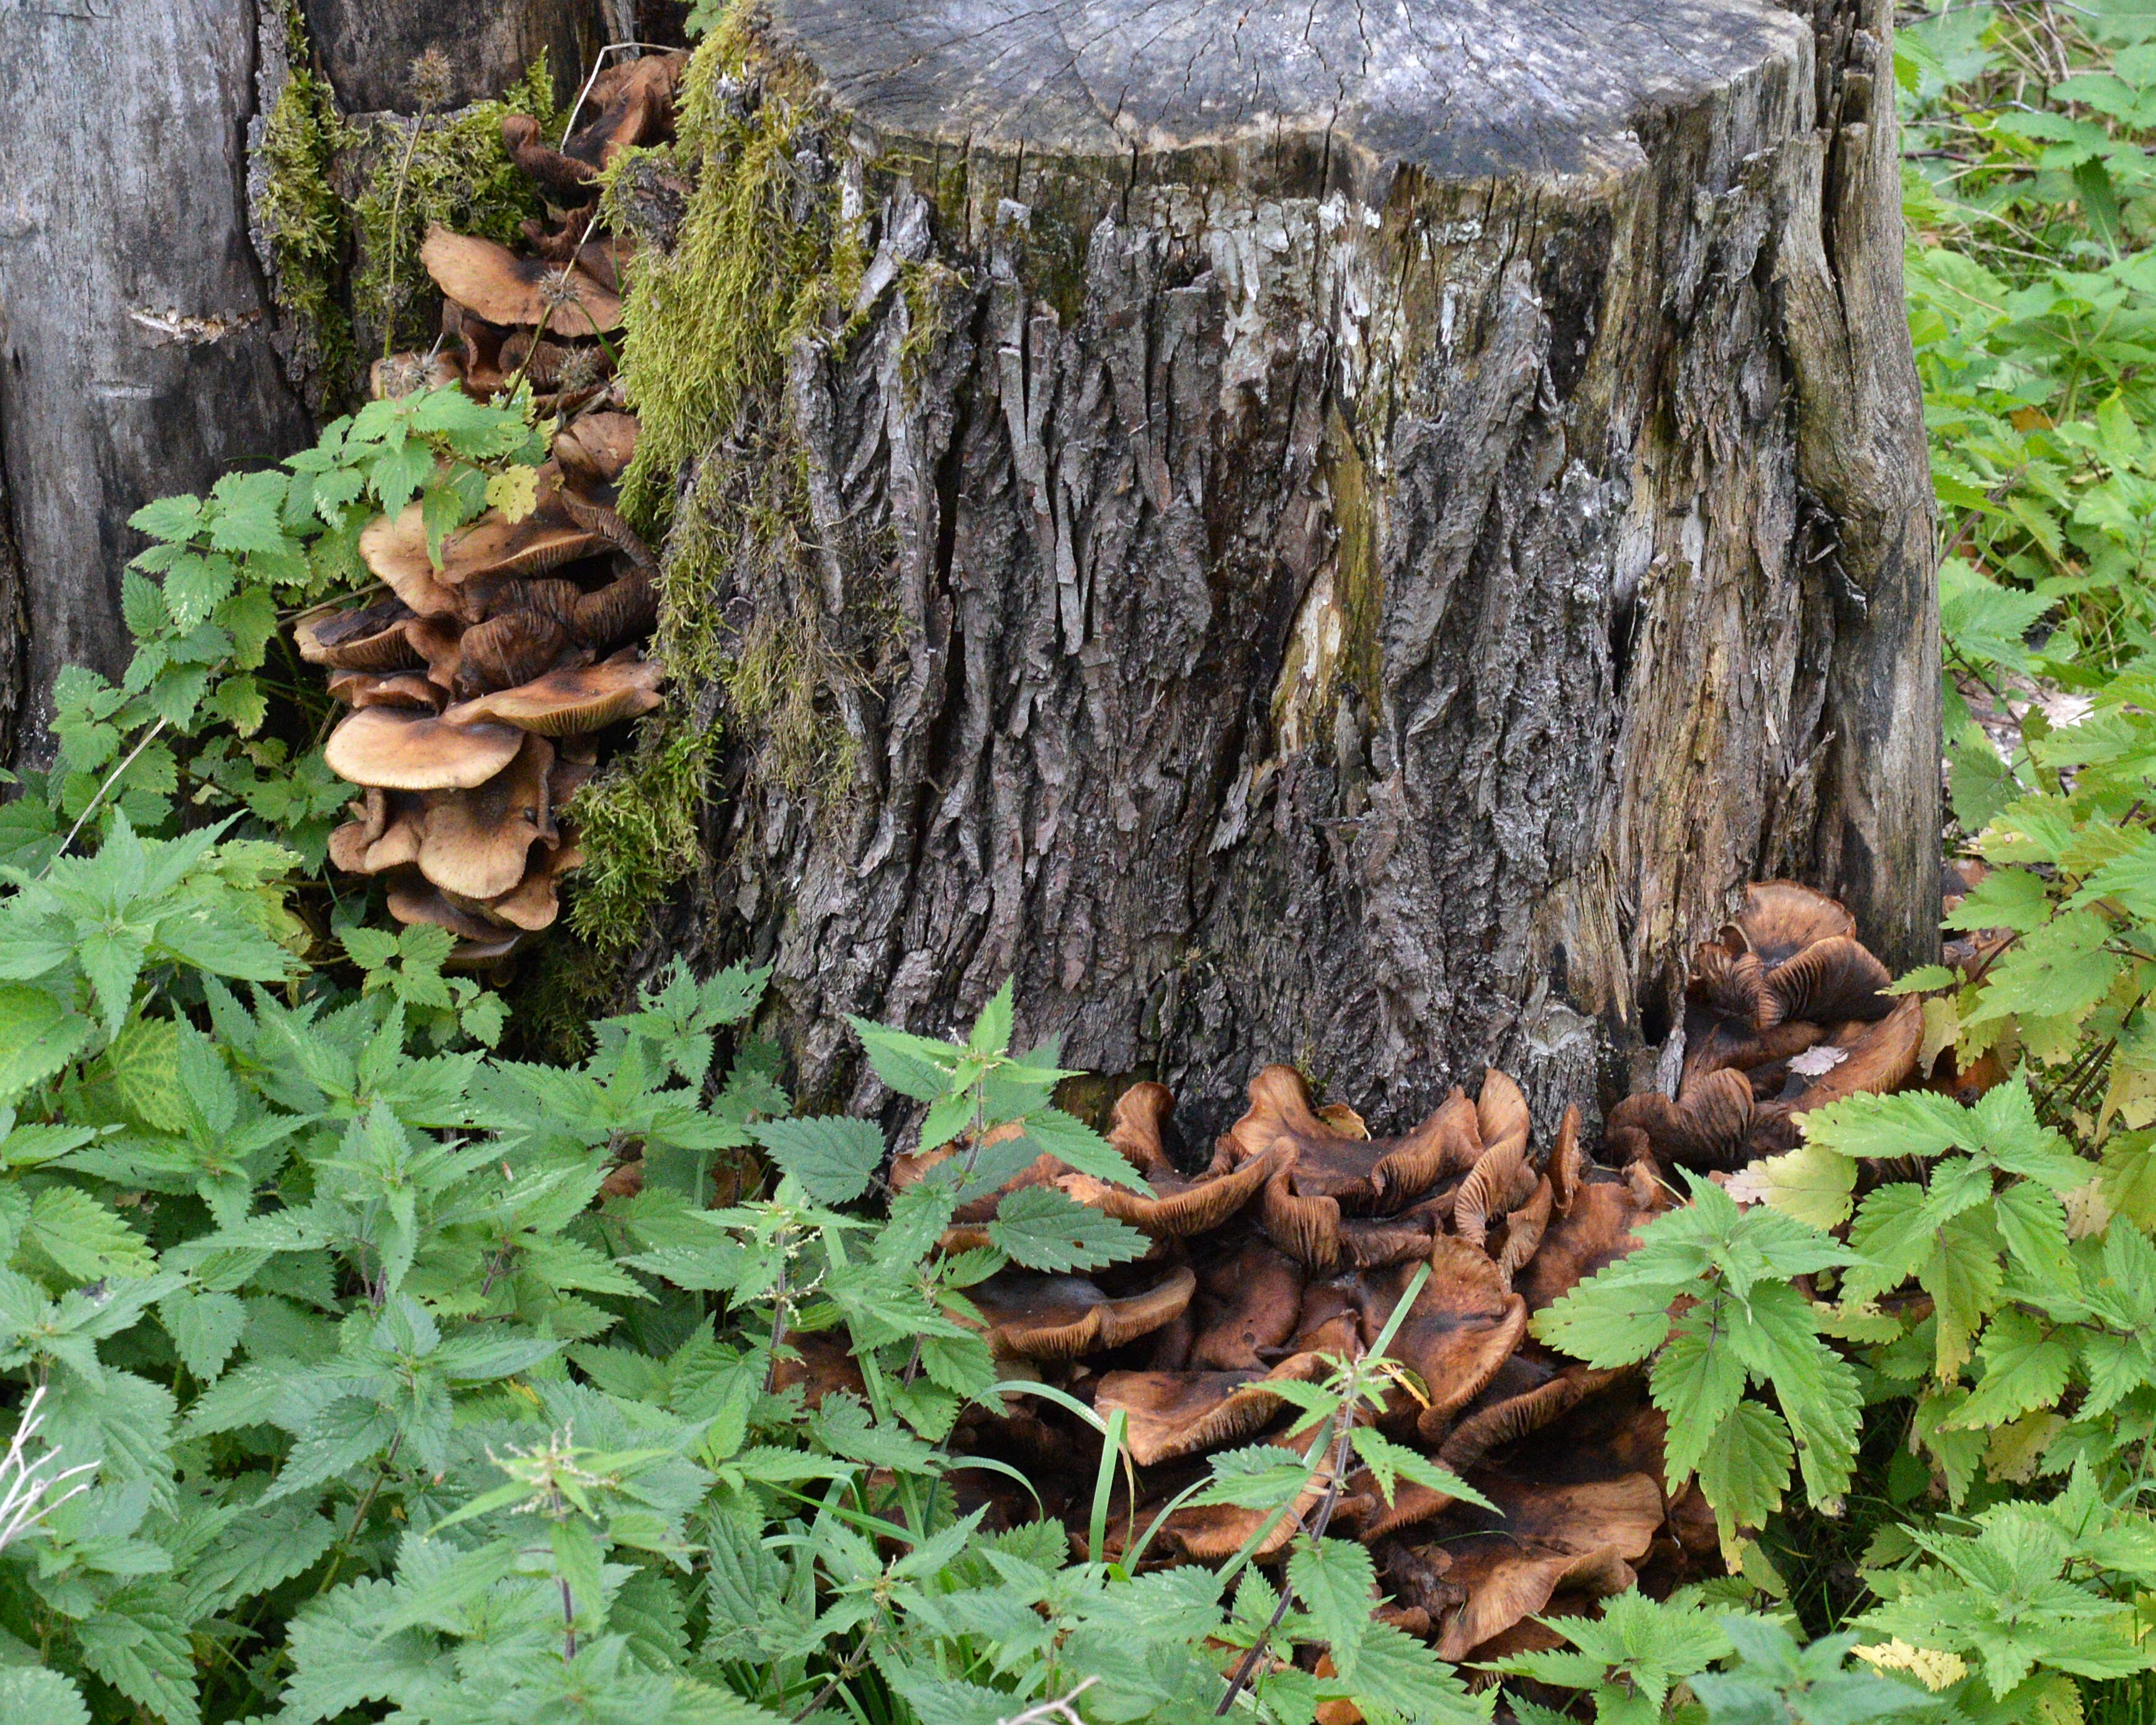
point(503, 288)
point(570, 701)
point(400, 751)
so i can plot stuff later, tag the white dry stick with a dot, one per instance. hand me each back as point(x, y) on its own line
point(1060, 1708)
point(26, 1489)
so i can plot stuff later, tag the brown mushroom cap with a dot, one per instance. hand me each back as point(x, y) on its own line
point(403, 752)
point(568, 700)
point(385, 833)
point(371, 638)
point(1781, 918)
point(478, 840)
point(503, 288)
point(412, 690)
point(1581, 1537)
point(1177, 1414)
point(1877, 1058)
point(535, 901)
point(1248, 1304)
point(1058, 1317)
point(1595, 1231)
point(622, 611)
point(1829, 980)
point(1462, 1327)
point(1708, 1126)
point(396, 550)
point(415, 899)
point(597, 446)
point(508, 649)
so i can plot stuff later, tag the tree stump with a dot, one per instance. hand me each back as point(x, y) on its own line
point(1400, 513)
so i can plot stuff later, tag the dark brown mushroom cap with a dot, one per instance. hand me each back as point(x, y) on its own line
point(1831, 980)
point(1505, 1420)
point(622, 611)
point(477, 840)
point(439, 642)
point(1877, 1058)
point(569, 180)
point(1713, 1044)
point(592, 507)
point(1728, 987)
point(1180, 1204)
point(371, 638)
point(820, 1363)
point(1059, 1318)
point(634, 104)
point(569, 701)
point(1708, 1126)
point(385, 835)
point(413, 899)
point(1781, 918)
point(596, 447)
point(1500, 1180)
point(1598, 1230)
point(1546, 1537)
point(1175, 1414)
point(506, 650)
point(405, 751)
point(1210, 1533)
point(1524, 1225)
point(1462, 1327)
point(503, 288)
point(1248, 1305)
point(487, 597)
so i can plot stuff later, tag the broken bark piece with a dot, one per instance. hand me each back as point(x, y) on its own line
point(406, 752)
point(503, 288)
point(567, 701)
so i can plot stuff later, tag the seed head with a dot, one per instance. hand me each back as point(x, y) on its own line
point(431, 79)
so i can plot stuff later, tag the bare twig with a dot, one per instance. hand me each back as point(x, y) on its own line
point(1060, 1708)
point(110, 779)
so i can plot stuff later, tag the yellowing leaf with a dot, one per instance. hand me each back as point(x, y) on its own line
point(1811, 1182)
point(1934, 1668)
point(2015, 1451)
point(514, 491)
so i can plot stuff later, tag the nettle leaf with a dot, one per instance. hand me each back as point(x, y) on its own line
point(205, 1328)
point(914, 1066)
point(84, 1240)
point(1051, 1132)
point(1696, 1380)
point(1334, 1580)
point(1744, 1466)
point(38, 1036)
point(36, 1695)
point(833, 1156)
point(1043, 1228)
point(137, 1645)
point(2060, 970)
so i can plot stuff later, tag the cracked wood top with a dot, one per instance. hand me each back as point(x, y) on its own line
point(1461, 89)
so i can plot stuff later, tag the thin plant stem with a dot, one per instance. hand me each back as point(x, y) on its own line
point(111, 779)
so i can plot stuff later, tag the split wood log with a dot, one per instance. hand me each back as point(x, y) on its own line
point(1406, 510)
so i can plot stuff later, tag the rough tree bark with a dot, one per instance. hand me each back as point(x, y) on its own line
point(137, 352)
point(1407, 509)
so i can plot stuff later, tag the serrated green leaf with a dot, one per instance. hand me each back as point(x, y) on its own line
point(34, 1695)
point(833, 1157)
point(1335, 1582)
point(1744, 1466)
point(1042, 1228)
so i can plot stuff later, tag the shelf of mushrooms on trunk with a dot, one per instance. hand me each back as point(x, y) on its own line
point(482, 686)
point(1292, 1247)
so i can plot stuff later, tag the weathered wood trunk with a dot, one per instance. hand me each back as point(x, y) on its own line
point(1399, 514)
point(136, 327)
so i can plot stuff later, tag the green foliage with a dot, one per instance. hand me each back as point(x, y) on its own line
point(211, 713)
point(1632, 1658)
point(306, 224)
point(1745, 1322)
point(448, 169)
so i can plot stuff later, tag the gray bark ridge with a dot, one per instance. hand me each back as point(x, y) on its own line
point(1363, 601)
